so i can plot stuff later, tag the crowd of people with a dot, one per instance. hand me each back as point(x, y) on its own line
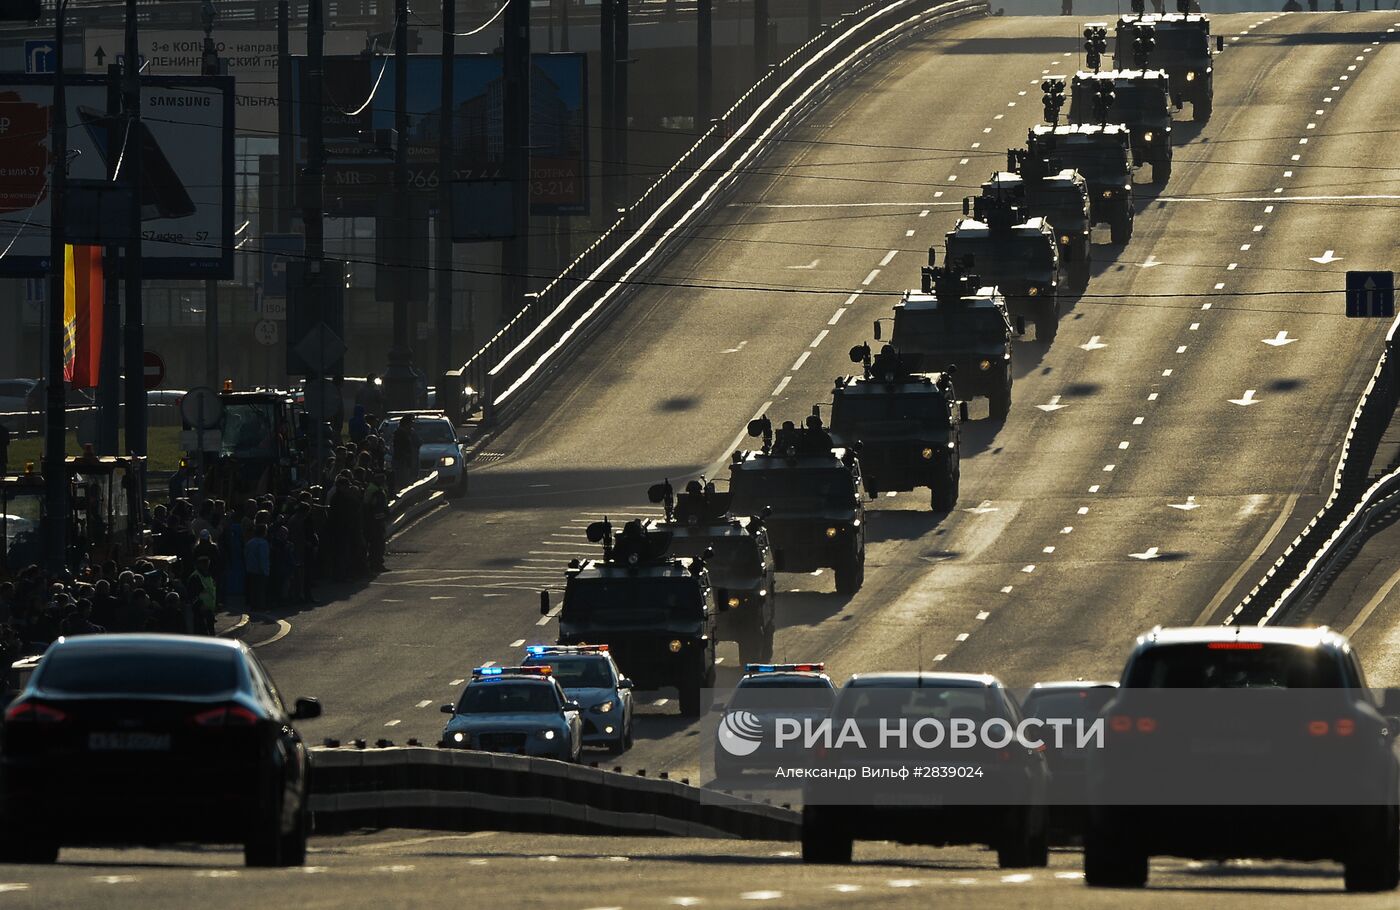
point(209, 556)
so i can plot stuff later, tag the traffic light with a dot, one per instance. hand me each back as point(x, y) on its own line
point(1095, 44)
point(1104, 96)
point(1053, 98)
point(1143, 42)
point(21, 10)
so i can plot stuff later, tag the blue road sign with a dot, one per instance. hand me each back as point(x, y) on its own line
point(1371, 294)
point(38, 56)
point(278, 250)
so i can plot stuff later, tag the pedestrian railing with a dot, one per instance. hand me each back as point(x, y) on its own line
point(529, 345)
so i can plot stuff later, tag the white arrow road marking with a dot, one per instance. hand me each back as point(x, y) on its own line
point(1151, 262)
point(1247, 400)
point(1326, 257)
point(982, 509)
point(1149, 553)
point(1186, 506)
point(811, 265)
point(1054, 404)
point(1279, 340)
point(736, 349)
point(1093, 344)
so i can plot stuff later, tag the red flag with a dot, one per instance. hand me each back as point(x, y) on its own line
point(82, 312)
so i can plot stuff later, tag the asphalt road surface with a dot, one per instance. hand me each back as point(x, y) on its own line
point(1158, 455)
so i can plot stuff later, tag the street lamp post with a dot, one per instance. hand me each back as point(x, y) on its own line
point(56, 416)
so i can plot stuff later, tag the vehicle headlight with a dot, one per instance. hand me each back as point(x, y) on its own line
point(675, 645)
point(1147, 136)
point(1033, 291)
point(735, 601)
point(926, 454)
point(447, 461)
point(1108, 194)
point(459, 737)
point(547, 734)
point(1064, 239)
point(830, 532)
point(1190, 77)
point(604, 707)
point(984, 365)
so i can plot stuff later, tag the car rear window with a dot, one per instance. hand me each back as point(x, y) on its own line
point(1234, 665)
point(1071, 703)
point(90, 671)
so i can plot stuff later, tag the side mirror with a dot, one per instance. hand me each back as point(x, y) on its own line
point(306, 709)
point(1020, 325)
point(1219, 43)
point(625, 683)
point(962, 410)
point(877, 330)
point(544, 603)
point(572, 706)
point(447, 709)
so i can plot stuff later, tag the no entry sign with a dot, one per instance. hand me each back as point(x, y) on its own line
point(153, 368)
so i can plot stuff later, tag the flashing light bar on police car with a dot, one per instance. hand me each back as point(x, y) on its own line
point(538, 650)
point(512, 671)
point(785, 668)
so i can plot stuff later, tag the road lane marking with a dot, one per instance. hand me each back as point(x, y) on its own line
point(1007, 589)
point(835, 317)
point(1094, 488)
point(1246, 400)
point(852, 299)
point(1028, 569)
point(1083, 510)
point(1047, 550)
point(1181, 349)
point(1149, 553)
point(457, 682)
point(393, 723)
point(889, 257)
point(1109, 468)
point(782, 384)
point(1067, 529)
point(874, 273)
point(1137, 421)
point(424, 703)
point(1167, 372)
point(1194, 326)
point(821, 336)
point(983, 614)
point(963, 636)
point(1187, 506)
point(283, 628)
point(1123, 444)
point(800, 360)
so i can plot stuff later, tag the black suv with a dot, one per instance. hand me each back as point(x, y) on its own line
point(739, 560)
point(1183, 48)
point(1233, 742)
point(908, 426)
point(814, 492)
point(951, 324)
point(1061, 197)
point(1016, 252)
point(1139, 100)
point(656, 613)
point(1103, 155)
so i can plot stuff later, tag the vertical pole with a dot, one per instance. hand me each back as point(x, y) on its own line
point(564, 24)
point(516, 103)
point(621, 131)
point(285, 193)
point(212, 66)
point(760, 39)
point(313, 192)
point(399, 379)
point(704, 64)
point(607, 72)
point(55, 427)
point(109, 392)
point(135, 335)
point(446, 166)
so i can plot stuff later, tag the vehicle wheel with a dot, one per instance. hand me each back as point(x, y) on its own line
point(627, 736)
point(999, 403)
point(822, 844)
point(267, 848)
point(1201, 108)
point(945, 495)
point(1162, 169)
point(26, 849)
point(1047, 321)
point(751, 645)
point(1376, 864)
point(765, 644)
point(1122, 228)
point(689, 692)
point(1110, 863)
point(293, 846)
point(1079, 275)
point(850, 573)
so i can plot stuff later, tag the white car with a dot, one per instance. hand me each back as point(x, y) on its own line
point(438, 447)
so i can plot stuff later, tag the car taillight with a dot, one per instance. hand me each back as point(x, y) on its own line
point(33, 712)
point(1125, 723)
point(1344, 726)
point(225, 716)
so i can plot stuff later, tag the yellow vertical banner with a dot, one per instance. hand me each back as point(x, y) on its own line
point(70, 313)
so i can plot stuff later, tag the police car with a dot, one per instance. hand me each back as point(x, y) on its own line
point(765, 692)
point(522, 710)
point(591, 678)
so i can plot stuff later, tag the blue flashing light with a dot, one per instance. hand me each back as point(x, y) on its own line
point(487, 671)
point(785, 668)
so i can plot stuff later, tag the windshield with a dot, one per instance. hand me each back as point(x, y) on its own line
point(1071, 703)
point(1135, 101)
point(508, 698)
point(849, 412)
point(633, 601)
point(1101, 158)
point(947, 329)
point(997, 256)
point(578, 672)
point(1059, 197)
point(248, 431)
point(102, 671)
point(793, 489)
point(1180, 44)
point(735, 558)
point(903, 699)
point(430, 432)
point(1241, 666)
point(799, 693)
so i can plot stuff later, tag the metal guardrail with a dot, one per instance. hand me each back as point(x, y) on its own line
point(1294, 578)
point(31, 422)
point(454, 789)
point(518, 353)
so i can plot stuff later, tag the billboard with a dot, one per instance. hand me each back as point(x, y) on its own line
point(359, 145)
point(185, 139)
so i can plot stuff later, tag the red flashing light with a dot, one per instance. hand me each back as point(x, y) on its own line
point(225, 716)
point(1235, 645)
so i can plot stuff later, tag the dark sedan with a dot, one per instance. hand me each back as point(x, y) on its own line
point(152, 739)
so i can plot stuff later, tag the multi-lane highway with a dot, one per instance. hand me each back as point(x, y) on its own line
point(1157, 455)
